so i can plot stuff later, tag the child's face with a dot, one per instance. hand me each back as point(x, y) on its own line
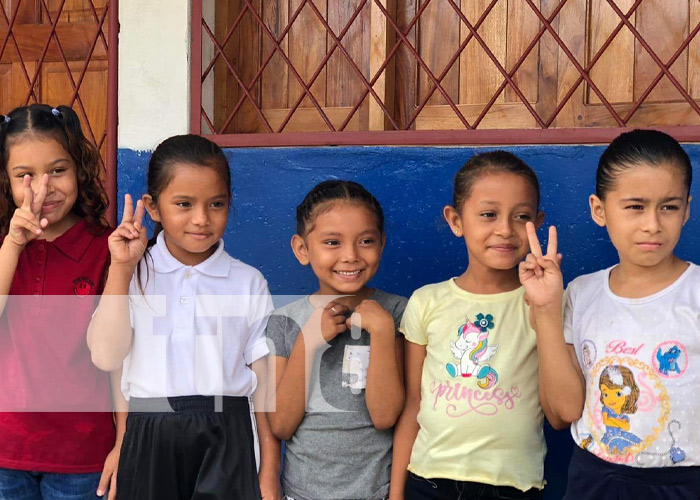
point(343, 247)
point(193, 210)
point(612, 398)
point(644, 214)
point(492, 220)
point(36, 156)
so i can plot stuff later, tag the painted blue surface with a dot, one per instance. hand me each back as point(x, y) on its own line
point(413, 185)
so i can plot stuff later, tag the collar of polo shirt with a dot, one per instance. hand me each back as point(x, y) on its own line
point(164, 262)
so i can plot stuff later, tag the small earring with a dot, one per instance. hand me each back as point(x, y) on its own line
point(458, 234)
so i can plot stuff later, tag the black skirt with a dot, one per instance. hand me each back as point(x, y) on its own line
point(592, 478)
point(188, 448)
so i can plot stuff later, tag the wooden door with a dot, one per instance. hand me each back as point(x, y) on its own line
point(69, 68)
point(333, 82)
point(626, 69)
point(622, 73)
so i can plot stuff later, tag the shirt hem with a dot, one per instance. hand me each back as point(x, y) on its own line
point(51, 468)
point(298, 495)
point(475, 479)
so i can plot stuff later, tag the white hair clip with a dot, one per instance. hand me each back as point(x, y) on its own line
point(615, 375)
point(7, 119)
point(55, 112)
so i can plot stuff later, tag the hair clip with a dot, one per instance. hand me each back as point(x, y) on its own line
point(55, 112)
point(6, 119)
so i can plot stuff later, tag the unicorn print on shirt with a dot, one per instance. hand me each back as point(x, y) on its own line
point(472, 350)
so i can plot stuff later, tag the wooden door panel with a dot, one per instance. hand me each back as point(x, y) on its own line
point(56, 88)
point(6, 103)
point(74, 36)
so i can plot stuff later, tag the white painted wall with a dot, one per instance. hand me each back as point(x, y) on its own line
point(154, 92)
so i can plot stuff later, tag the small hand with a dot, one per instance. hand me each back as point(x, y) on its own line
point(108, 479)
point(325, 324)
point(128, 242)
point(26, 224)
point(541, 274)
point(371, 316)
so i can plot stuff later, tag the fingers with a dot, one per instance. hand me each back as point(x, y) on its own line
point(132, 222)
point(104, 482)
point(547, 263)
point(113, 487)
point(552, 243)
point(40, 195)
point(134, 232)
point(28, 193)
point(138, 215)
point(124, 232)
point(128, 213)
point(532, 264)
point(336, 309)
point(535, 247)
point(28, 221)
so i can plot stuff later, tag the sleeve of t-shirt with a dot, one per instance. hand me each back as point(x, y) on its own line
point(261, 307)
point(568, 315)
point(412, 325)
point(397, 314)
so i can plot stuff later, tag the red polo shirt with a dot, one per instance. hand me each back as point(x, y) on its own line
point(56, 413)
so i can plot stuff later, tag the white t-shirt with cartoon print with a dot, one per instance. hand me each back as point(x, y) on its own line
point(641, 361)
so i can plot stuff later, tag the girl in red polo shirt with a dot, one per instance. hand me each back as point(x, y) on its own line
point(57, 436)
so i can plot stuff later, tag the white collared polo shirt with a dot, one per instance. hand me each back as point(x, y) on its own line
point(197, 329)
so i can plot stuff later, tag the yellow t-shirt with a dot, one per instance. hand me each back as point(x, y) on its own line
point(480, 416)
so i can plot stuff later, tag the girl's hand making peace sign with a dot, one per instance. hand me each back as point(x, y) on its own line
point(541, 274)
point(26, 224)
point(128, 242)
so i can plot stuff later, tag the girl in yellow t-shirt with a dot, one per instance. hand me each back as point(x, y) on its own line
point(472, 426)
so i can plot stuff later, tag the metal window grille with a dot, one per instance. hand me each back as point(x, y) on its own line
point(65, 52)
point(561, 71)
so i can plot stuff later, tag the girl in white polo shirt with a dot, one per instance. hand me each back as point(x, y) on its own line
point(190, 336)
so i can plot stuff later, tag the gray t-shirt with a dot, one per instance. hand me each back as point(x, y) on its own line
point(336, 452)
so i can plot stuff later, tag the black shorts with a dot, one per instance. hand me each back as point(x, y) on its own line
point(592, 478)
point(188, 448)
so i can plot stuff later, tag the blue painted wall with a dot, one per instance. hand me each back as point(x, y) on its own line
point(413, 185)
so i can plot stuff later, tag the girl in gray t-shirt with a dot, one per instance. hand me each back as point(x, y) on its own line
point(336, 404)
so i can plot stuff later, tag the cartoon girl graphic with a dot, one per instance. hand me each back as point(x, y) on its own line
point(618, 395)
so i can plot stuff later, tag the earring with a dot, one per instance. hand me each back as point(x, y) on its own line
point(458, 234)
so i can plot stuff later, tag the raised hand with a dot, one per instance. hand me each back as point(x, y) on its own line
point(26, 223)
point(128, 242)
point(540, 274)
point(371, 316)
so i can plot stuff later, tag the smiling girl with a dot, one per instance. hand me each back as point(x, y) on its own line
point(339, 390)
point(187, 321)
point(56, 425)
